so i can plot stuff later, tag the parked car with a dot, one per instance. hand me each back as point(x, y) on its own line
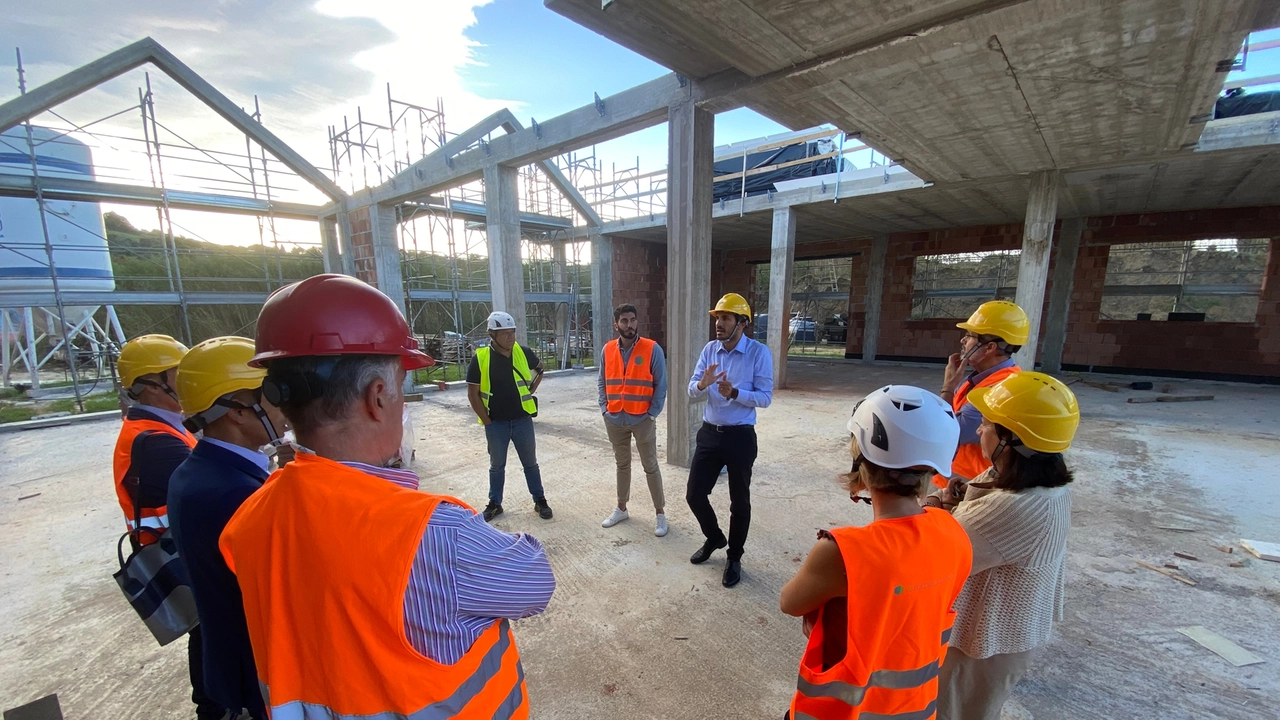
point(803, 329)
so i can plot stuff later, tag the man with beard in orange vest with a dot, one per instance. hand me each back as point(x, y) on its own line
point(365, 597)
point(992, 334)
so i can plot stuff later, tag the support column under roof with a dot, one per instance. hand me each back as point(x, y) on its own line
point(1064, 270)
point(691, 134)
point(782, 265)
point(506, 275)
point(1033, 267)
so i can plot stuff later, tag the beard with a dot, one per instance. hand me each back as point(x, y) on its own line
point(629, 333)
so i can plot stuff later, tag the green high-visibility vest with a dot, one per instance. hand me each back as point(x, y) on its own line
point(519, 372)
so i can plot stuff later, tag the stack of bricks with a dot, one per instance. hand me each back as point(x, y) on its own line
point(362, 245)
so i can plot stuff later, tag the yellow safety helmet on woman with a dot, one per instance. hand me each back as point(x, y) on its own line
point(733, 303)
point(1037, 408)
point(147, 355)
point(1000, 318)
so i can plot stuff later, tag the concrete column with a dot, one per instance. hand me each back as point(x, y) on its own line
point(560, 284)
point(601, 293)
point(782, 266)
point(1064, 270)
point(875, 294)
point(386, 254)
point(506, 273)
point(1033, 268)
point(689, 179)
point(344, 244)
point(329, 244)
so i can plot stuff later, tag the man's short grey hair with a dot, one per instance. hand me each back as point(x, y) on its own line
point(345, 384)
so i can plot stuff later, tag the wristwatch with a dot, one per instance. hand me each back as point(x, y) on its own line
point(734, 396)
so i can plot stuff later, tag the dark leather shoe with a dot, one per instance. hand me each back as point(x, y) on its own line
point(705, 551)
point(492, 511)
point(542, 508)
point(732, 573)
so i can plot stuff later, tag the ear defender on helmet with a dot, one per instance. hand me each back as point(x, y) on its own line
point(297, 387)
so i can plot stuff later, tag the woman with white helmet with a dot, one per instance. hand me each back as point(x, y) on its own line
point(1017, 515)
point(876, 599)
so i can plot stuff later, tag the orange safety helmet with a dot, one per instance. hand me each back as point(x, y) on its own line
point(333, 315)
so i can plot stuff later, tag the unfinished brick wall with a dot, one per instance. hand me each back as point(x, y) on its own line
point(640, 278)
point(362, 245)
point(1222, 349)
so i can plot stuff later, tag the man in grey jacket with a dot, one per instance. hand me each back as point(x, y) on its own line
point(632, 390)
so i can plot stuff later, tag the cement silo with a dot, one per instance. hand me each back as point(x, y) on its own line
point(80, 253)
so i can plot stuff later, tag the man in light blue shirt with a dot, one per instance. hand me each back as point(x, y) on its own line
point(735, 373)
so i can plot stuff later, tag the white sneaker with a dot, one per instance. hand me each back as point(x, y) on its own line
point(660, 529)
point(614, 518)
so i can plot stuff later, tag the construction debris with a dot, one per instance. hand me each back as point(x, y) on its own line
point(1221, 646)
point(1162, 571)
point(1140, 385)
point(1171, 566)
point(1237, 563)
point(1101, 386)
point(1224, 548)
point(28, 497)
point(1170, 398)
point(1262, 549)
point(1186, 556)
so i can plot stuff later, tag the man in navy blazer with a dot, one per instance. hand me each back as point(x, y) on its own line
point(221, 395)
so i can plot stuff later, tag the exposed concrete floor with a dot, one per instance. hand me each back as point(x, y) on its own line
point(634, 630)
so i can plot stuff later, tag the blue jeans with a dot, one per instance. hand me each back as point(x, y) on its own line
point(501, 434)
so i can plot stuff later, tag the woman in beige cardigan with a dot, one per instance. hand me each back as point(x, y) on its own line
point(1017, 515)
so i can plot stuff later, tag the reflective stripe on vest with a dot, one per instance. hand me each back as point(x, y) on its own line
point(629, 386)
point(316, 601)
point(968, 461)
point(903, 578)
point(519, 366)
point(442, 710)
point(122, 463)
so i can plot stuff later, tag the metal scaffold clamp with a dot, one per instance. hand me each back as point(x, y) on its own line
point(537, 129)
point(599, 104)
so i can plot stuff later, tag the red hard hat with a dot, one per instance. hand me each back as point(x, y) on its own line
point(333, 315)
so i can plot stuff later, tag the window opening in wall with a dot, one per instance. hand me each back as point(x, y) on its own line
point(1215, 280)
point(953, 286)
point(819, 322)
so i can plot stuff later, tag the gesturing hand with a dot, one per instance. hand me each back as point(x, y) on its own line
point(724, 387)
point(710, 376)
point(953, 373)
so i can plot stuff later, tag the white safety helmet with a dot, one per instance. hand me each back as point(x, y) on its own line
point(499, 320)
point(900, 426)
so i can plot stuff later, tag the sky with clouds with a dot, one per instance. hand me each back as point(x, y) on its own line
point(312, 63)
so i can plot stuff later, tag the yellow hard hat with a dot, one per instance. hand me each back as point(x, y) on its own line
point(147, 354)
point(733, 303)
point(215, 368)
point(1001, 318)
point(1036, 407)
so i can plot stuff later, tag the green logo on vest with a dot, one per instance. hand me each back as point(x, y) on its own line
point(897, 590)
point(639, 360)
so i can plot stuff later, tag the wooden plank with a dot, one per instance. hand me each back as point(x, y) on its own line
point(779, 166)
point(1262, 549)
point(1186, 556)
point(1183, 398)
point(1168, 573)
point(1221, 646)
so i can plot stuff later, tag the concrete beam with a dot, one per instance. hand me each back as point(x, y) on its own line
point(633, 109)
point(559, 280)
point(1033, 267)
point(73, 190)
point(601, 293)
point(875, 294)
point(329, 248)
point(386, 254)
point(55, 92)
point(344, 242)
point(691, 137)
point(782, 266)
point(1064, 271)
point(506, 272)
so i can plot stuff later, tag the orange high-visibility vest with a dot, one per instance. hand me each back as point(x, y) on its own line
point(629, 388)
point(156, 518)
point(322, 554)
point(969, 461)
point(904, 574)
